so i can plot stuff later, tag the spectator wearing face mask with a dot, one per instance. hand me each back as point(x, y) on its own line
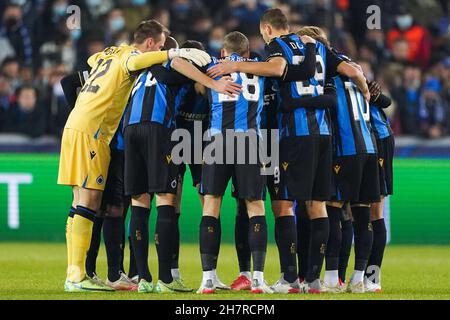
point(407, 95)
point(18, 35)
point(26, 116)
point(417, 37)
point(115, 24)
point(215, 41)
point(432, 110)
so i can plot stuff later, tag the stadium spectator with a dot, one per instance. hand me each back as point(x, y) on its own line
point(11, 69)
point(416, 36)
point(26, 116)
point(406, 93)
point(13, 28)
point(432, 109)
point(6, 98)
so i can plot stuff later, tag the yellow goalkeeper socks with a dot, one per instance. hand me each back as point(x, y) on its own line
point(69, 239)
point(81, 240)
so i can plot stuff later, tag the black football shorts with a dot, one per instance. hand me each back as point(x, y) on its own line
point(148, 160)
point(386, 149)
point(356, 178)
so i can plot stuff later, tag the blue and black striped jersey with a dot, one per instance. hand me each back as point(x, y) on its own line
point(152, 101)
point(380, 122)
point(241, 112)
point(270, 115)
point(194, 106)
point(351, 120)
point(303, 121)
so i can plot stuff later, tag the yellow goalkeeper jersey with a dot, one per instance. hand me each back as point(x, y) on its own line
point(102, 99)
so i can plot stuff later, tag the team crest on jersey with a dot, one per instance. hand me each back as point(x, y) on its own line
point(285, 165)
point(169, 158)
point(337, 168)
point(100, 179)
point(381, 162)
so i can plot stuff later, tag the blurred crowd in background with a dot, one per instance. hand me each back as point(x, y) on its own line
point(409, 55)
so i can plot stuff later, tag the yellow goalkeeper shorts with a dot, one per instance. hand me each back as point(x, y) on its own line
point(84, 160)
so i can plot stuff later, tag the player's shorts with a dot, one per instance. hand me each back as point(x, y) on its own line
point(305, 169)
point(194, 169)
point(114, 193)
point(148, 160)
point(249, 181)
point(386, 149)
point(356, 178)
point(84, 160)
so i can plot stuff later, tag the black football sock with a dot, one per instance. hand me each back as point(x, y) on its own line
point(209, 242)
point(303, 235)
point(277, 242)
point(241, 237)
point(362, 229)
point(257, 240)
point(112, 233)
point(334, 238)
point(132, 271)
point(346, 247)
point(217, 248)
point(122, 246)
point(164, 238)
point(320, 228)
point(176, 243)
point(139, 240)
point(379, 243)
point(92, 254)
point(287, 246)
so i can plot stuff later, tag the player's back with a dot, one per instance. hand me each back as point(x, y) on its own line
point(153, 101)
point(103, 97)
point(241, 112)
point(351, 119)
point(302, 122)
point(380, 123)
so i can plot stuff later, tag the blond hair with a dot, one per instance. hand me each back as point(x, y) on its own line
point(314, 32)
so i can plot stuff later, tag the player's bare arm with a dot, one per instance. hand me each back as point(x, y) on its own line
point(273, 68)
point(223, 85)
point(356, 75)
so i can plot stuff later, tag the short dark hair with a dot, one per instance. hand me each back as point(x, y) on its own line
point(276, 18)
point(170, 43)
point(23, 87)
point(193, 44)
point(236, 42)
point(149, 29)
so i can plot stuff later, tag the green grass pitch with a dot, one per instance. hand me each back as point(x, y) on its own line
point(36, 271)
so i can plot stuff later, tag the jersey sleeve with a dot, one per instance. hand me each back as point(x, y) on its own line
point(138, 61)
point(332, 63)
point(274, 50)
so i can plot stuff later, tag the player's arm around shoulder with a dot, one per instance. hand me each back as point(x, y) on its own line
point(223, 85)
point(135, 60)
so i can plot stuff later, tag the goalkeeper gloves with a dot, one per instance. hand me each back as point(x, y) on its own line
point(199, 57)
